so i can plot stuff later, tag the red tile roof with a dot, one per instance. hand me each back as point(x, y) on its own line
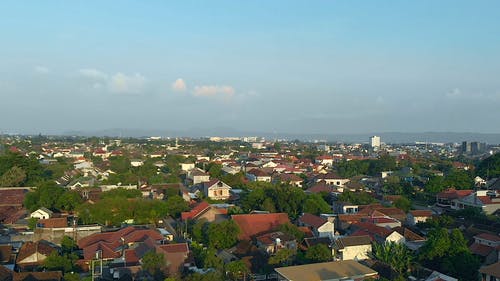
point(421, 213)
point(372, 229)
point(53, 222)
point(12, 197)
point(196, 211)
point(109, 242)
point(490, 237)
point(254, 224)
point(452, 193)
point(175, 248)
point(312, 220)
point(480, 249)
point(29, 248)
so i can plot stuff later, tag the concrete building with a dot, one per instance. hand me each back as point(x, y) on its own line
point(375, 142)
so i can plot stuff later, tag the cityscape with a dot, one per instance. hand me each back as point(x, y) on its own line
point(249, 140)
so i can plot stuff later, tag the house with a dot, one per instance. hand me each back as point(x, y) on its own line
point(216, 190)
point(32, 254)
point(412, 240)
point(446, 198)
point(345, 208)
point(53, 223)
point(380, 219)
point(478, 199)
point(289, 178)
point(114, 245)
point(377, 233)
point(326, 271)
point(490, 272)
point(352, 248)
point(321, 227)
point(177, 257)
point(258, 175)
point(326, 160)
point(204, 210)
point(187, 166)
point(197, 176)
point(252, 225)
point(487, 247)
point(42, 213)
point(332, 179)
point(136, 162)
point(416, 216)
point(272, 242)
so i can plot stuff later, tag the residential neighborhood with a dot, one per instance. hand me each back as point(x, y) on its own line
point(285, 214)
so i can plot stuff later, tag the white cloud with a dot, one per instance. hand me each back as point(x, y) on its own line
point(41, 69)
point(455, 93)
point(214, 91)
point(121, 83)
point(93, 73)
point(179, 85)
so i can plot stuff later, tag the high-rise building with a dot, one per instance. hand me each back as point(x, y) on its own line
point(375, 142)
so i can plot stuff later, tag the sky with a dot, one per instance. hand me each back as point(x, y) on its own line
point(260, 66)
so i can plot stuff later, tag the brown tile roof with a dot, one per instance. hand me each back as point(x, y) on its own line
point(270, 238)
point(312, 241)
point(175, 248)
point(254, 224)
point(321, 187)
point(196, 211)
point(29, 248)
point(490, 237)
point(452, 193)
point(312, 220)
point(349, 241)
point(53, 223)
point(5, 273)
point(480, 249)
point(109, 242)
point(12, 197)
point(336, 270)
point(41, 276)
point(421, 213)
point(5, 253)
point(408, 234)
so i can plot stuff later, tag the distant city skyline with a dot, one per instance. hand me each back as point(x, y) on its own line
point(297, 67)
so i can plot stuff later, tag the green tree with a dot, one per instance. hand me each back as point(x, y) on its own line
point(315, 204)
point(359, 198)
point(237, 270)
point(489, 167)
point(68, 245)
point(15, 176)
point(459, 179)
point(435, 185)
point(437, 245)
point(223, 235)
point(176, 205)
point(319, 253)
point(394, 254)
point(64, 263)
point(69, 200)
point(282, 257)
point(403, 203)
point(153, 262)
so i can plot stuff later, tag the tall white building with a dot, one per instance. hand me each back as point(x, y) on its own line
point(375, 142)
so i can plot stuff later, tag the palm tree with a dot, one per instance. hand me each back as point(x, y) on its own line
point(394, 254)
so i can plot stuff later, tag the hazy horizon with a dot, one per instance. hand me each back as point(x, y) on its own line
point(291, 67)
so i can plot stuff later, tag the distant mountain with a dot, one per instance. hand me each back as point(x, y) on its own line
point(387, 137)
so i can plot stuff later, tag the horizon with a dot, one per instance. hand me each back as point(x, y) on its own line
point(339, 67)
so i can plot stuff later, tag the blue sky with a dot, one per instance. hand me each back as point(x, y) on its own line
point(284, 66)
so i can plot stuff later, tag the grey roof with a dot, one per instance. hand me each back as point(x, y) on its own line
point(330, 271)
